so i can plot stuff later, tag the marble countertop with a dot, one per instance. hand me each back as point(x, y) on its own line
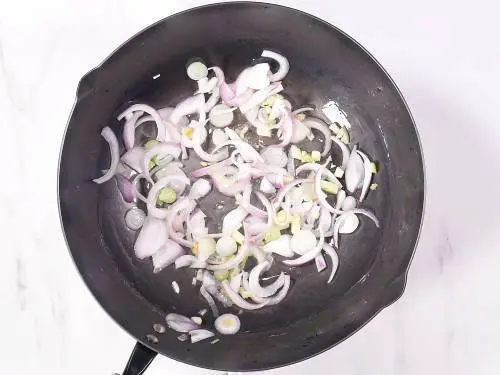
point(444, 56)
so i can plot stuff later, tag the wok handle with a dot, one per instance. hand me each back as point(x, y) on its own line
point(140, 358)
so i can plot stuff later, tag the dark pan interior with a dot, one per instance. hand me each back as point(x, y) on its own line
point(325, 65)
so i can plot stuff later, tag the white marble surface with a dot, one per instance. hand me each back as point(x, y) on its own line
point(446, 59)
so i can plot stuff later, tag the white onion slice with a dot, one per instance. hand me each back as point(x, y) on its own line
point(166, 255)
point(221, 115)
point(330, 251)
point(349, 203)
point(315, 168)
point(161, 127)
point(234, 262)
point(280, 296)
point(300, 131)
point(218, 137)
point(197, 140)
point(134, 218)
point(302, 242)
point(247, 152)
point(284, 191)
point(204, 293)
point(275, 156)
point(110, 137)
point(235, 282)
point(180, 323)
point(349, 224)
point(284, 65)
point(200, 188)
point(307, 257)
point(188, 261)
point(254, 283)
point(344, 149)
point(321, 195)
point(266, 187)
point(317, 124)
point(200, 334)
point(367, 176)
point(161, 150)
point(152, 236)
point(354, 171)
point(129, 128)
point(255, 77)
point(227, 324)
point(134, 159)
point(161, 213)
point(226, 246)
point(260, 96)
point(233, 220)
point(190, 105)
point(238, 300)
point(212, 101)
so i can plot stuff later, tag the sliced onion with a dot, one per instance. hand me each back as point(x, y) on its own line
point(238, 300)
point(185, 206)
point(354, 171)
point(204, 293)
point(317, 124)
point(235, 282)
point(256, 77)
point(151, 237)
point(349, 203)
point(284, 191)
point(110, 137)
point(260, 96)
point(188, 261)
point(221, 116)
point(227, 324)
point(330, 251)
point(233, 220)
point(134, 218)
point(254, 283)
point(300, 131)
point(367, 175)
point(180, 323)
point(129, 129)
point(344, 149)
point(161, 150)
point(315, 168)
point(219, 167)
point(200, 334)
point(275, 156)
point(234, 262)
point(219, 137)
point(247, 152)
point(284, 65)
point(193, 104)
point(302, 242)
point(161, 213)
point(229, 187)
point(166, 255)
point(200, 189)
point(266, 187)
point(280, 246)
point(349, 224)
point(206, 86)
point(134, 158)
point(322, 196)
point(212, 100)
point(213, 158)
point(171, 169)
point(310, 255)
point(278, 297)
point(161, 129)
point(302, 110)
point(126, 188)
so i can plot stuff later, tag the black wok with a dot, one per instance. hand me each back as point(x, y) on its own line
point(325, 64)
